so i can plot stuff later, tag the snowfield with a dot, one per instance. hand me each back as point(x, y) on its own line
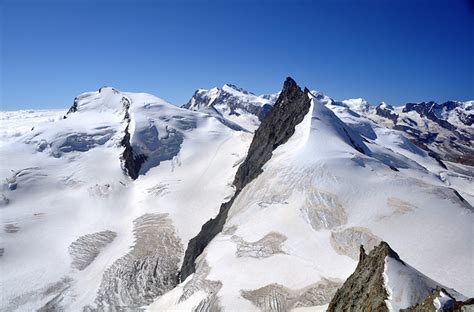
point(80, 232)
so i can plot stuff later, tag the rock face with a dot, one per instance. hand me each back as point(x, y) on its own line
point(289, 110)
point(232, 100)
point(131, 162)
point(433, 111)
point(383, 282)
point(386, 111)
point(441, 300)
point(364, 290)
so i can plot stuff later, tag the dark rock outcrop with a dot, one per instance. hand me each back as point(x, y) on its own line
point(131, 161)
point(290, 108)
point(451, 304)
point(235, 104)
point(386, 111)
point(364, 290)
point(432, 111)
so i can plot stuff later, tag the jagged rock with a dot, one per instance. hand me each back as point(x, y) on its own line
point(231, 100)
point(441, 300)
point(364, 290)
point(383, 282)
point(386, 111)
point(289, 110)
point(432, 110)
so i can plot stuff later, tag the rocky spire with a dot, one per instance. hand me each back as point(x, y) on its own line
point(290, 108)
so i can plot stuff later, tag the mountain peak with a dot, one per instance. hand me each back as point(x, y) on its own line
point(228, 87)
point(383, 282)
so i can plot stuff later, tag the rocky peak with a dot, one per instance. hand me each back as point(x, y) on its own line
point(364, 290)
point(371, 288)
point(289, 110)
point(231, 87)
point(385, 110)
point(231, 100)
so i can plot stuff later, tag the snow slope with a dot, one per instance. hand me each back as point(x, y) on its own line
point(297, 227)
point(63, 182)
point(97, 208)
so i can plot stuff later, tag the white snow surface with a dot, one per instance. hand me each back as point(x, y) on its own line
point(67, 188)
point(407, 286)
point(318, 172)
point(64, 179)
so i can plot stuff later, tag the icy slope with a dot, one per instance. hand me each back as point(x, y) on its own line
point(234, 103)
point(292, 235)
point(78, 231)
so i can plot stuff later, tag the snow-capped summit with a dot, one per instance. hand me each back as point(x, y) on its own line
point(233, 103)
point(358, 105)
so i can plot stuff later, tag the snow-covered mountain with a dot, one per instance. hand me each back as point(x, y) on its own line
point(234, 103)
point(128, 202)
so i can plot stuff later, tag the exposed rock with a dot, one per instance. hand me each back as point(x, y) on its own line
point(231, 100)
point(73, 108)
point(441, 300)
point(131, 161)
point(290, 108)
point(364, 290)
point(147, 271)
point(383, 282)
point(432, 111)
point(278, 298)
point(86, 248)
point(386, 111)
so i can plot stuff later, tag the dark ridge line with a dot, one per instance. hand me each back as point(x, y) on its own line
point(131, 163)
point(289, 110)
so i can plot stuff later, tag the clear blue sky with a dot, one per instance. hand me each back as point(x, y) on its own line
point(396, 51)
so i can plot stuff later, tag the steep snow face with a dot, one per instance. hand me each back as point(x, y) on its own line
point(407, 287)
point(77, 231)
point(235, 104)
point(292, 234)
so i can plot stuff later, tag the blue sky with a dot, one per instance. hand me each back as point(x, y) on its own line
point(395, 51)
